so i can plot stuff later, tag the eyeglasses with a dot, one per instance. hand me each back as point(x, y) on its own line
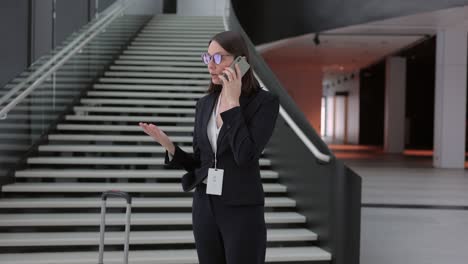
point(217, 57)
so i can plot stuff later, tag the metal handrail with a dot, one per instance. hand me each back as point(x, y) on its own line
point(302, 136)
point(114, 11)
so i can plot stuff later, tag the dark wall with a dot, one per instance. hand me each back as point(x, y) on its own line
point(419, 104)
point(266, 21)
point(41, 32)
point(28, 29)
point(102, 5)
point(372, 105)
point(170, 7)
point(71, 16)
point(14, 29)
point(420, 93)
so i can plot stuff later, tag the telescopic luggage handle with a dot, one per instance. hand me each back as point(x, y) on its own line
point(117, 193)
point(126, 196)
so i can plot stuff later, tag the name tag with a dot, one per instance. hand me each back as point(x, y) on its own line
point(215, 181)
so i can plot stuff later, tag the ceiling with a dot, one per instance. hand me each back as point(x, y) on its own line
point(350, 49)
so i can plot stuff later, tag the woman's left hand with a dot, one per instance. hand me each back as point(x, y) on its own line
point(232, 85)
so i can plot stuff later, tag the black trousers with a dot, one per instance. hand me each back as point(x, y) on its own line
point(226, 234)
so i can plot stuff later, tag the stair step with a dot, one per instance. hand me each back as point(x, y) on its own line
point(182, 256)
point(173, 202)
point(102, 187)
point(145, 95)
point(160, 63)
point(106, 149)
point(145, 110)
point(100, 101)
point(170, 44)
point(122, 138)
point(192, 39)
point(15, 126)
point(152, 81)
point(178, 33)
point(159, 58)
point(162, 69)
point(33, 108)
point(113, 219)
point(149, 31)
point(21, 135)
point(28, 117)
point(192, 25)
point(172, 17)
point(166, 53)
point(14, 147)
point(167, 48)
point(184, 75)
point(153, 119)
point(189, 21)
point(188, 36)
point(137, 237)
point(176, 28)
point(167, 18)
point(163, 88)
point(9, 159)
point(46, 101)
point(198, 44)
point(103, 173)
point(60, 86)
point(162, 20)
point(119, 128)
point(108, 161)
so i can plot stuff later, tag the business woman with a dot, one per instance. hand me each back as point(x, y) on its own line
point(233, 123)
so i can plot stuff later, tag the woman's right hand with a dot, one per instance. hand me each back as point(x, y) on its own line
point(157, 134)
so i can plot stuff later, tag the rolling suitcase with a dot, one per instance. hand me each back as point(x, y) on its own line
point(128, 212)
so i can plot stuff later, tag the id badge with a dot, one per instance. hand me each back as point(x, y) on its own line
point(215, 181)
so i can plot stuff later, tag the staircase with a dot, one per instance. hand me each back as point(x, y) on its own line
point(51, 213)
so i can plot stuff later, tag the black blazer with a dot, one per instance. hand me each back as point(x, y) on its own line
point(245, 132)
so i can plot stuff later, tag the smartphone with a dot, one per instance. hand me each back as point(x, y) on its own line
point(243, 65)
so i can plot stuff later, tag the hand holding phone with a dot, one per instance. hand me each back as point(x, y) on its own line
point(243, 65)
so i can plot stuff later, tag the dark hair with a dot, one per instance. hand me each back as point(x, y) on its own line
point(233, 43)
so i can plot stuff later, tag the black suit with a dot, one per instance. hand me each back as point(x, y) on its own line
point(229, 227)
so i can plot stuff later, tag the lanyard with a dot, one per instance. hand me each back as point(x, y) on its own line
point(216, 129)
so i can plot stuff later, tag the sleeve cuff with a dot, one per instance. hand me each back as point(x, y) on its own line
point(168, 158)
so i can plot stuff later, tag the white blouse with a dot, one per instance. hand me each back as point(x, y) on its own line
point(213, 130)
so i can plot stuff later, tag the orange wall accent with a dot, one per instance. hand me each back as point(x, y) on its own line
point(303, 81)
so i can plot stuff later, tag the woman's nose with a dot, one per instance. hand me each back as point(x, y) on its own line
point(211, 65)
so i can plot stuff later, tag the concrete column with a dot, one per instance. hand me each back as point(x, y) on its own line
point(330, 118)
point(395, 89)
point(450, 99)
point(341, 106)
point(353, 111)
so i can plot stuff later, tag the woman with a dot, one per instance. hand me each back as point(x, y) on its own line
point(233, 123)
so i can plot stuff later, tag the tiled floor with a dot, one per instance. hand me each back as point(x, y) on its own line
point(412, 213)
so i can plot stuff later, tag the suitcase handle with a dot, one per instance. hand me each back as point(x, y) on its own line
point(126, 196)
point(116, 193)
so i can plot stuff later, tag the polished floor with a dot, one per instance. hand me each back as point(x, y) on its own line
point(411, 212)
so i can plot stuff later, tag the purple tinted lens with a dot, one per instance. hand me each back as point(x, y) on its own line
point(206, 58)
point(217, 58)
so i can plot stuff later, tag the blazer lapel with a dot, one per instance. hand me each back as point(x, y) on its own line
point(245, 107)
